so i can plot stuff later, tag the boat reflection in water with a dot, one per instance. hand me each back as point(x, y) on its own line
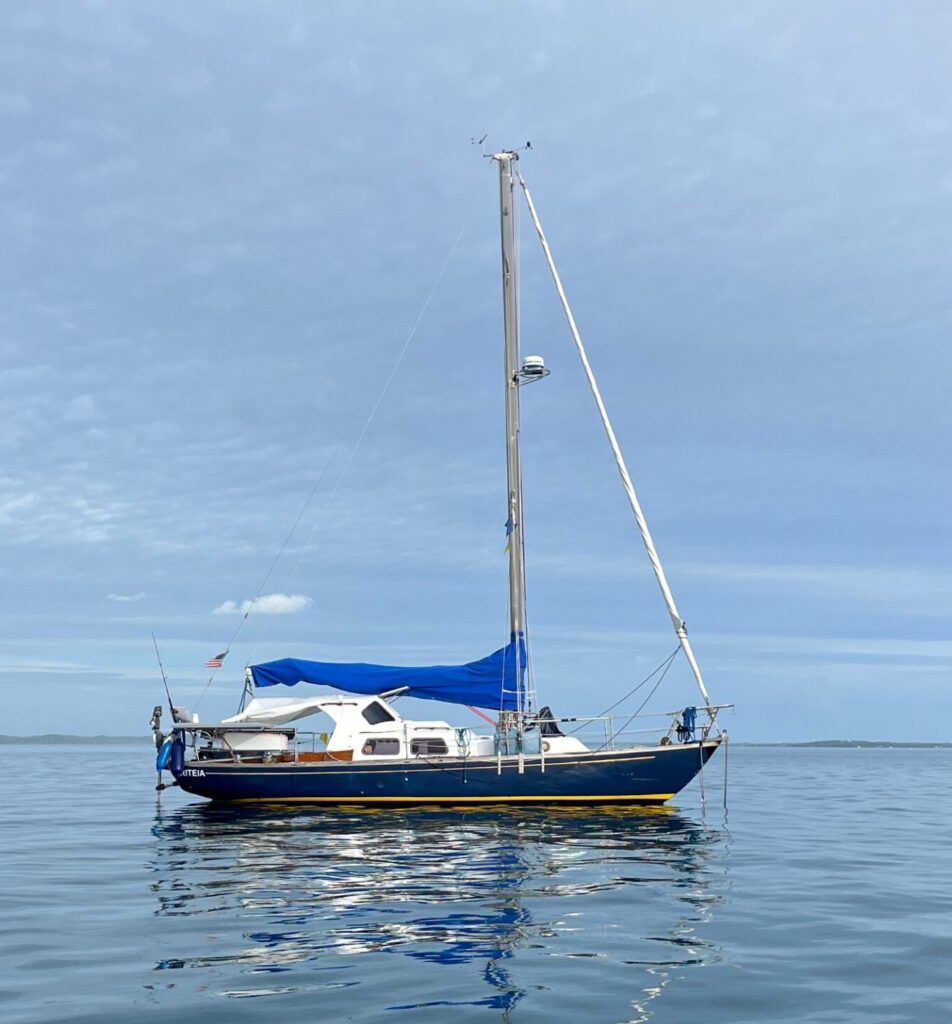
point(572, 908)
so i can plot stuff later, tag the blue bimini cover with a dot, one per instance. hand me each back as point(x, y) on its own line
point(487, 683)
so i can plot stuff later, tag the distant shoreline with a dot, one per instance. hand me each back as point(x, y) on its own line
point(62, 739)
point(851, 744)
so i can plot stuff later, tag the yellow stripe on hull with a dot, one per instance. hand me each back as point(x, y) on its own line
point(445, 799)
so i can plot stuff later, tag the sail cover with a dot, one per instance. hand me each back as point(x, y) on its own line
point(487, 683)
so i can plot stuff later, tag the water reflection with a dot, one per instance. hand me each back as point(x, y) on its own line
point(506, 898)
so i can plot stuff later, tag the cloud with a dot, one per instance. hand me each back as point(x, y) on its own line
point(907, 587)
point(23, 665)
point(815, 500)
point(126, 598)
point(267, 604)
point(59, 508)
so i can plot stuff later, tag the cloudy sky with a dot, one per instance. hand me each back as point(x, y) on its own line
point(222, 221)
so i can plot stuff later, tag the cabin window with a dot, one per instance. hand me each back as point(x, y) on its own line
point(428, 745)
point(383, 747)
point(376, 714)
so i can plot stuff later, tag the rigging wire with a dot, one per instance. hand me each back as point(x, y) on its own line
point(380, 397)
point(556, 767)
point(351, 454)
point(530, 702)
point(396, 366)
point(502, 677)
point(271, 568)
point(663, 668)
point(665, 665)
point(641, 706)
point(676, 620)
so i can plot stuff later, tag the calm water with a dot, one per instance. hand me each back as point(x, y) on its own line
point(825, 894)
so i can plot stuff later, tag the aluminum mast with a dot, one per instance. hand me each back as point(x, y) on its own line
point(510, 306)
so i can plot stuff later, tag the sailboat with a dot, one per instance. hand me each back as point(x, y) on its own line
point(374, 756)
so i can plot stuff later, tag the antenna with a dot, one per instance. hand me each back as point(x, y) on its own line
point(480, 142)
point(514, 153)
point(165, 681)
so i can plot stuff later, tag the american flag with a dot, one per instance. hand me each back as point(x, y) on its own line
point(216, 661)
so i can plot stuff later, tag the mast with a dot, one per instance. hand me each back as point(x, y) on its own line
point(510, 307)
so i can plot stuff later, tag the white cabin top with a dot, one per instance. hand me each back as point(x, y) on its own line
point(368, 726)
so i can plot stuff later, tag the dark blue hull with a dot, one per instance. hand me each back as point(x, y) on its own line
point(645, 776)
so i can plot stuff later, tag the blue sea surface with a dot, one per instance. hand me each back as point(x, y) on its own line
point(823, 894)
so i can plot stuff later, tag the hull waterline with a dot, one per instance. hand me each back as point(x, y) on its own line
point(638, 776)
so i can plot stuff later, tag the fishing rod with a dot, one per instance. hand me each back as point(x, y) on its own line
point(165, 681)
point(160, 743)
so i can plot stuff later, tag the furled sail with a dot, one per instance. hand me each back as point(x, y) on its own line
point(488, 683)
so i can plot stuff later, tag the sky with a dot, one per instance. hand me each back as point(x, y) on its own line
point(221, 223)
